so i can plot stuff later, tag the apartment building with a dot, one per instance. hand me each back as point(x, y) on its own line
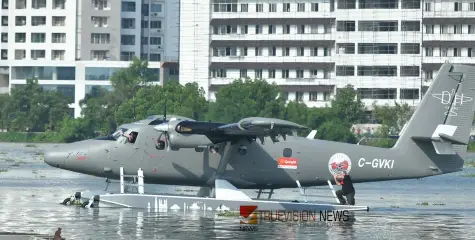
point(74, 46)
point(387, 49)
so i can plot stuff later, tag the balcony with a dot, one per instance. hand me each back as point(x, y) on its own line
point(307, 16)
point(449, 37)
point(276, 37)
point(272, 59)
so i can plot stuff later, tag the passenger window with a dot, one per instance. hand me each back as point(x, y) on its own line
point(287, 152)
point(160, 145)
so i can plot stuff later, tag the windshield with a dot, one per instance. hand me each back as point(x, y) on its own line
point(116, 134)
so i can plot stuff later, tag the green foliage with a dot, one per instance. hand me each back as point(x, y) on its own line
point(245, 98)
point(393, 117)
point(134, 97)
point(347, 106)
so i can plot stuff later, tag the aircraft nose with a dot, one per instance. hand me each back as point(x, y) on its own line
point(54, 158)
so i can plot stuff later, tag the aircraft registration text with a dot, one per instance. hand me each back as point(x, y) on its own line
point(377, 163)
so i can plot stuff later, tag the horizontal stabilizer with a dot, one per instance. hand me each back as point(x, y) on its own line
point(442, 139)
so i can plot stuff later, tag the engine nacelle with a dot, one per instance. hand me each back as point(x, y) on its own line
point(178, 134)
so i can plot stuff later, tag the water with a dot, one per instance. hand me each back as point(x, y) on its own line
point(31, 192)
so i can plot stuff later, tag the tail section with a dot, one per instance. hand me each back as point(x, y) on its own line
point(443, 119)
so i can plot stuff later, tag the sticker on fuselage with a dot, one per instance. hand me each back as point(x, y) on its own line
point(287, 163)
point(338, 163)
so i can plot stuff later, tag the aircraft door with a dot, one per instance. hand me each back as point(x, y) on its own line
point(123, 150)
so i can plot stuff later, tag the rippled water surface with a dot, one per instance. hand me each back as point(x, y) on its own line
point(30, 192)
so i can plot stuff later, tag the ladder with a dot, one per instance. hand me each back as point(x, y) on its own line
point(137, 181)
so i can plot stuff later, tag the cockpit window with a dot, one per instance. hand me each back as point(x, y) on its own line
point(127, 137)
point(116, 134)
point(156, 122)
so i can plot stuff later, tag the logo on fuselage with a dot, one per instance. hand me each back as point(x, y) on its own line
point(339, 162)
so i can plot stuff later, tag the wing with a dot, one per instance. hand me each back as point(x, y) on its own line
point(253, 127)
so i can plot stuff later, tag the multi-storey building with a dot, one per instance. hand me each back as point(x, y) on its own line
point(73, 46)
point(386, 49)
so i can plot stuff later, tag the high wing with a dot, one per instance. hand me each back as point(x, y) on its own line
point(252, 127)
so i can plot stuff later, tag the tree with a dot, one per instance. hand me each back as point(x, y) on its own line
point(394, 117)
point(4, 102)
point(126, 82)
point(33, 109)
point(336, 130)
point(184, 100)
point(246, 98)
point(347, 106)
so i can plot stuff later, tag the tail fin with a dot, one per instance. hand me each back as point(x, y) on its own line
point(444, 116)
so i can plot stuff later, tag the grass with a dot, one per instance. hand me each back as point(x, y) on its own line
point(423, 204)
point(469, 175)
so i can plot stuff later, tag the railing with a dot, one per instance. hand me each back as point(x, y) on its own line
point(139, 177)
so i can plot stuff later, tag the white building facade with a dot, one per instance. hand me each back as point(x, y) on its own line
point(73, 45)
point(387, 49)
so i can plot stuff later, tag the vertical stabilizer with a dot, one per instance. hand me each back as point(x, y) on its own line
point(444, 116)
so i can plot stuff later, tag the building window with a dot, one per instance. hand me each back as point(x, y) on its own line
point(20, 4)
point(411, 4)
point(377, 93)
point(243, 73)
point(38, 21)
point(471, 7)
point(155, 41)
point(409, 93)
point(58, 21)
point(57, 54)
point(272, 7)
point(313, 96)
point(126, 56)
point(427, 7)
point(99, 54)
point(20, 54)
point(346, 26)
point(100, 4)
point(59, 4)
point(410, 48)
point(259, 7)
point(299, 96)
point(128, 6)
point(371, 4)
point(258, 73)
point(457, 6)
point(286, 51)
point(244, 7)
point(299, 73)
point(409, 71)
point(38, 37)
point(155, 24)
point(128, 23)
point(244, 51)
point(38, 54)
point(411, 26)
point(4, 54)
point(286, 7)
point(155, 57)
point(4, 21)
point(156, 8)
point(271, 73)
point(272, 29)
point(218, 73)
point(301, 29)
point(429, 29)
point(378, 26)
point(314, 7)
point(346, 4)
point(345, 70)
point(20, 37)
point(285, 73)
point(127, 39)
point(38, 4)
point(100, 38)
point(300, 7)
point(257, 51)
point(273, 51)
point(377, 71)
point(286, 29)
point(224, 6)
point(20, 21)
point(345, 48)
point(4, 37)
point(300, 51)
point(377, 48)
point(429, 52)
